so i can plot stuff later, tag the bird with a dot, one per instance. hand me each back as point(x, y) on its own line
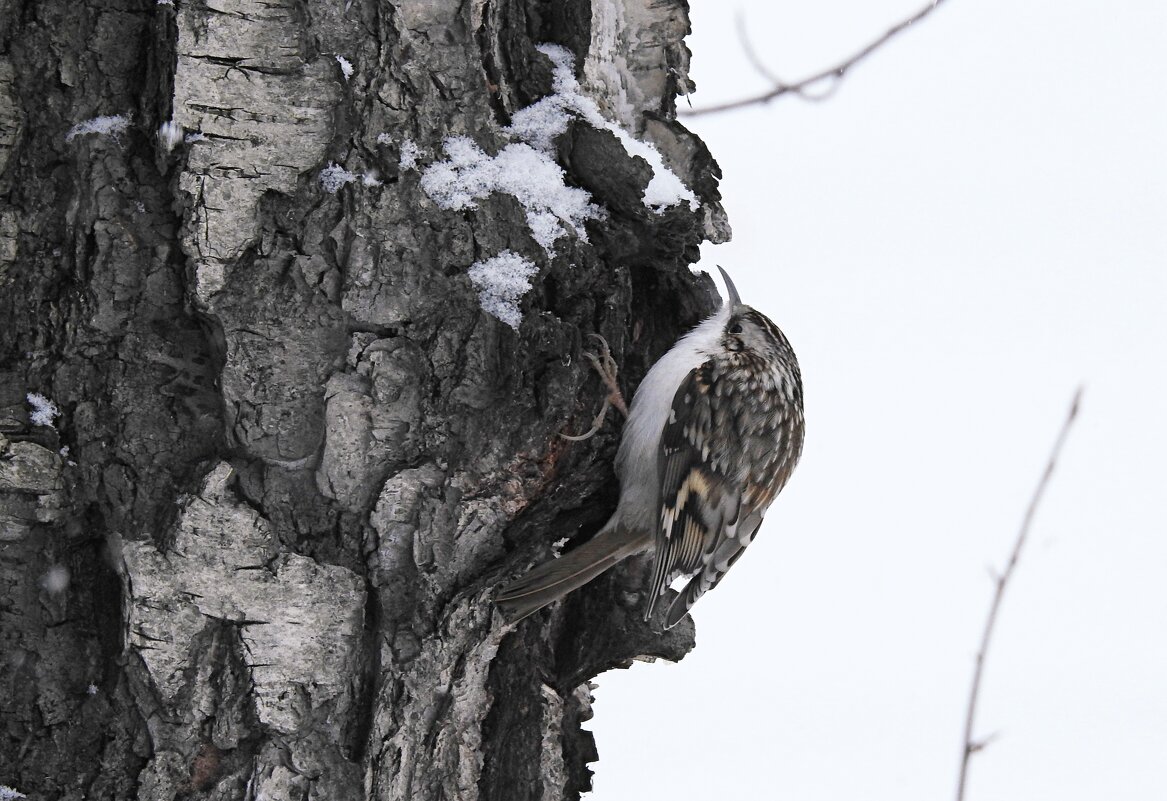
point(714, 432)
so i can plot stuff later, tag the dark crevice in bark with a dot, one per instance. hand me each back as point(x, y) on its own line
point(370, 677)
point(512, 769)
point(567, 22)
point(492, 70)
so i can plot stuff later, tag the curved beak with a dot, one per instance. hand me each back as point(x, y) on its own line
point(734, 298)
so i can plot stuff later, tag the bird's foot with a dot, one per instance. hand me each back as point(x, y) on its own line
point(606, 367)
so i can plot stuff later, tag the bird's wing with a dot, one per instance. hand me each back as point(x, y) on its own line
point(700, 483)
point(719, 470)
point(728, 550)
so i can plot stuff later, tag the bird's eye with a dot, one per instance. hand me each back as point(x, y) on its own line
point(736, 328)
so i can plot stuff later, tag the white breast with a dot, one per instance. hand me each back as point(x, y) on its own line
point(636, 461)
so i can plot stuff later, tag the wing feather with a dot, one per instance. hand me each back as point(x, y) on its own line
point(719, 472)
point(698, 499)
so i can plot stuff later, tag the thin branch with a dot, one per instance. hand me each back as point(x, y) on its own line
point(743, 36)
point(801, 88)
point(971, 746)
point(762, 69)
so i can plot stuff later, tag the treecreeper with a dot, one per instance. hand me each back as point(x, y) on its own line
point(714, 431)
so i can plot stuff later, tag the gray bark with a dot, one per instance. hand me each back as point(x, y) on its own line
point(254, 556)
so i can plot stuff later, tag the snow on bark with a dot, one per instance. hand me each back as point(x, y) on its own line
point(101, 126)
point(527, 169)
point(519, 170)
point(410, 153)
point(332, 178)
point(629, 74)
point(543, 121)
point(170, 134)
point(502, 281)
point(44, 411)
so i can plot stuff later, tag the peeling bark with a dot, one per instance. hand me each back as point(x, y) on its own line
point(254, 555)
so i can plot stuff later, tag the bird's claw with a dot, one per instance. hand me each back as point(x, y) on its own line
point(607, 369)
point(606, 366)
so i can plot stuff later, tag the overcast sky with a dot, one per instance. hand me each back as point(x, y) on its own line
point(972, 225)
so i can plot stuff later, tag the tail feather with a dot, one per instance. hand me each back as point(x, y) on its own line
point(552, 580)
point(680, 606)
point(715, 568)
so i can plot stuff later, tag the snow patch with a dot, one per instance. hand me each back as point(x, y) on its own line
point(56, 579)
point(533, 178)
point(346, 67)
point(665, 189)
point(170, 134)
point(410, 153)
point(110, 126)
point(527, 169)
point(9, 794)
point(541, 122)
point(501, 281)
point(333, 177)
point(44, 411)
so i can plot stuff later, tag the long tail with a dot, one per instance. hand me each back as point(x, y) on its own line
point(552, 580)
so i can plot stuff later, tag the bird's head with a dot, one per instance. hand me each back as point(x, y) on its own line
point(747, 330)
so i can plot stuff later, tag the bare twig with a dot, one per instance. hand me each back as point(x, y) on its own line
point(752, 56)
point(802, 88)
point(971, 746)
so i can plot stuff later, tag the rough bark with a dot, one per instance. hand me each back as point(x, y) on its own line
point(254, 556)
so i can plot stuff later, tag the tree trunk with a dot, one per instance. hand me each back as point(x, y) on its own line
point(308, 416)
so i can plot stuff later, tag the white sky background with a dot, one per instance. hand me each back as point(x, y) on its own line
point(972, 225)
